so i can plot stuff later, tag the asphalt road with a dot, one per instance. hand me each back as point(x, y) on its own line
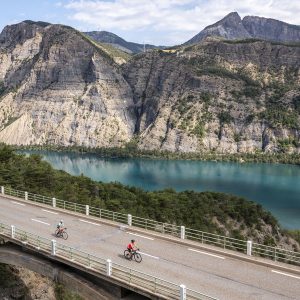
point(215, 275)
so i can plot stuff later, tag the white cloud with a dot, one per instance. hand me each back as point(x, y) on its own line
point(179, 20)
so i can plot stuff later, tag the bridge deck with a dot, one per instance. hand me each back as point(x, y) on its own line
point(216, 275)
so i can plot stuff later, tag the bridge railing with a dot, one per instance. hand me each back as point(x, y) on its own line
point(276, 254)
point(216, 240)
point(132, 277)
point(108, 214)
point(247, 247)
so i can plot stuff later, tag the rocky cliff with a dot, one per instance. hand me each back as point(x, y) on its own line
point(232, 27)
point(58, 87)
point(218, 96)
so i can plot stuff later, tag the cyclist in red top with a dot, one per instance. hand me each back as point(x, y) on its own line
point(132, 247)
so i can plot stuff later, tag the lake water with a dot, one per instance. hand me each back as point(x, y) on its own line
point(276, 187)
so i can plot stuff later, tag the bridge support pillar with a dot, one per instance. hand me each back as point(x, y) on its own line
point(26, 196)
point(108, 267)
point(182, 292)
point(129, 219)
point(87, 210)
point(2, 190)
point(249, 248)
point(182, 232)
point(53, 202)
point(53, 247)
point(13, 231)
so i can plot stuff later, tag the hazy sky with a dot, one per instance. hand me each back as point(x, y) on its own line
point(159, 22)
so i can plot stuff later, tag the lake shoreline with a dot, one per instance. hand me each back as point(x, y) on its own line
point(120, 153)
point(273, 185)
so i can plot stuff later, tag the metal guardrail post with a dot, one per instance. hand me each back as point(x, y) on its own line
point(26, 196)
point(87, 210)
point(53, 202)
point(182, 232)
point(182, 292)
point(249, 248)
point(53, 247)
point(108, 267)
point(129, 218)
point(2, 190)
point(13, 231)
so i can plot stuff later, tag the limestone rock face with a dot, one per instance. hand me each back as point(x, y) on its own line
point(57, 87)
point(60, 89)
point(218, 96)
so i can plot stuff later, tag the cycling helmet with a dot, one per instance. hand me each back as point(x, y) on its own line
point(61, 221)
point(132, 241)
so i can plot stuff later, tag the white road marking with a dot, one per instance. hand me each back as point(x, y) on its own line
point(221, 257)
point(40, 222)
point(286, 274)
point(51, 212)
point(14, 202)
point(89, 222)
point(155, 257)
point(142, 236)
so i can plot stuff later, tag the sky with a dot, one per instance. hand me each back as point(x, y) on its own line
point(158, 22)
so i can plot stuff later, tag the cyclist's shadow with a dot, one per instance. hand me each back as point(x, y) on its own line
point(122, 256)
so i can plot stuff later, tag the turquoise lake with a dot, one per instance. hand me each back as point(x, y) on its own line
point(275, 186)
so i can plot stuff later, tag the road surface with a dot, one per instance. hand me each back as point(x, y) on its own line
point(215, 275)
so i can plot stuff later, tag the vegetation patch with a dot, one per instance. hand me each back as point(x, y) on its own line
point(199, 130)
point(194, 209)
point(225, 117)
point(278, 116)
point(62, 293)
point(285, 144)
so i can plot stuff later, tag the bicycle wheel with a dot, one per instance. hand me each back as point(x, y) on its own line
point(127, 254)
point(138, 257)
point(56, 232)
point(64, 235)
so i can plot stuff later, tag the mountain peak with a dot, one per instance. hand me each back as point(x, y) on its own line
point(230, 27)
point(233, 16)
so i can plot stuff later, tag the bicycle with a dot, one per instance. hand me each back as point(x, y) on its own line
point(61, 233)
point(133, 254)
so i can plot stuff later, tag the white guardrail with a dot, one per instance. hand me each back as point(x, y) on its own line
point(131, 277)
point(247, 247)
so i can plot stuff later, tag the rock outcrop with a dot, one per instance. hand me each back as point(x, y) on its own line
point(232, 27)
point(57, 87)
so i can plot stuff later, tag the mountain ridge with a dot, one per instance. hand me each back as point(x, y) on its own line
point(232, 27)
point(118, 42)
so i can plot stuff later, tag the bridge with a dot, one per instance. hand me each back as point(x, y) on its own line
point(178, 263)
